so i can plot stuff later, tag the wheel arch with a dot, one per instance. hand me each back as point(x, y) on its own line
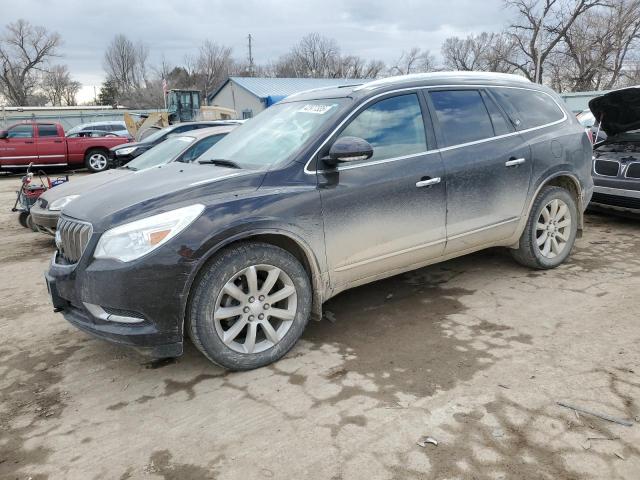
point(280, 238)
point(570, 183)
point(563, 179)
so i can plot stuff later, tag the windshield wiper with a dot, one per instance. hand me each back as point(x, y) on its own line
point(220, 162)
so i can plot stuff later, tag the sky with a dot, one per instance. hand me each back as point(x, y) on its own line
point(172, 29)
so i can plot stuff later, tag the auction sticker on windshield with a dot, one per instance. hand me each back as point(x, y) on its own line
point(319, 109)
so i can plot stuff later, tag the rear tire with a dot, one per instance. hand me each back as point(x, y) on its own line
point(96, 160)
point(249, 306)
point(550, 231)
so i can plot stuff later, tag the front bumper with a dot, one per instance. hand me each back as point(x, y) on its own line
point(45, 220)
point(622, 198)
point(121, 303)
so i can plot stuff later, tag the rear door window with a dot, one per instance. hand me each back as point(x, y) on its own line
point(529, 108)
point(47, 131)
point(462, 115)
point(394, 127)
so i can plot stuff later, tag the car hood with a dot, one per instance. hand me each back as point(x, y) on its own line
point(154, 190)
point(617, 111)
point(78, 186)
point(131, 144)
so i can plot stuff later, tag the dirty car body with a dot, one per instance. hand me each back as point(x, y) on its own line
point(393, 175)
point(616, 162)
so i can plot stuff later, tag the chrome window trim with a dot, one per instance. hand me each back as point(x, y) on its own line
point(437, 150)
point(626, 170)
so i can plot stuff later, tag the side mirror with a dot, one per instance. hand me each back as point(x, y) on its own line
point(4, 134)
point(349, 149)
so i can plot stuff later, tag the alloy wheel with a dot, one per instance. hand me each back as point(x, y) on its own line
point(553, 228)
point(98, 161)
point(255, 309)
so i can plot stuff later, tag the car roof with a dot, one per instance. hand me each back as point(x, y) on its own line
point(201, 133)
point(432, 79)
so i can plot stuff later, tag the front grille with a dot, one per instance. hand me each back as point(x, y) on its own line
point(616, 201)
point(72, 238)
point(633, 170)
point(608, 168)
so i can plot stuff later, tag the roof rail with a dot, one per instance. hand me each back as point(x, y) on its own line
point(357, 85)
point(398, 79)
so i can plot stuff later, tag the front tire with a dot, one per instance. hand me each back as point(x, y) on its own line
point(550, 231)
point(250, 306)
point(96, 160)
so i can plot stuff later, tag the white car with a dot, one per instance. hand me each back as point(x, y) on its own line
point(116, 127)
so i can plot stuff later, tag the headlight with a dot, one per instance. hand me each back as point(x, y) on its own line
point(133, 240)
point(125, 151)
point(60, 203)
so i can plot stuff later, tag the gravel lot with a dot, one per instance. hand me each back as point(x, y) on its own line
point(474, 352)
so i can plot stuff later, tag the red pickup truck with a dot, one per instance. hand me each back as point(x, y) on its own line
point(45, 145)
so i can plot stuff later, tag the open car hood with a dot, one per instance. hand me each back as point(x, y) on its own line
point(617, 111)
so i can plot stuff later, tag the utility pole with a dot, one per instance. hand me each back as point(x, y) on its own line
point(250, 58)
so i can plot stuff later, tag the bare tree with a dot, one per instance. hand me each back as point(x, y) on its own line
point(539, 27)
point(54, 83)
point(491, 52)
point(353, 66)
point(70, 93)
point(125, 62)
point(213, 65)
point(413, 61)
point(313, 56)
point(596, 47)
point(25, 50)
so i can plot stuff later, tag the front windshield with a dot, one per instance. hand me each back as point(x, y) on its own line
point(162, 153)
point(155, 136)
point(275, 134)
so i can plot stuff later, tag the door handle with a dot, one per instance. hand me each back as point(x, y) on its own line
point(514, 162)
point(428, 181)
point(57, 141)
point(28, 141)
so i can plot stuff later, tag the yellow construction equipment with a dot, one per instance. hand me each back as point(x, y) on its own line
point(182, 106)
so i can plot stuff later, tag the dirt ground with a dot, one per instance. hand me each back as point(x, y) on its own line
point(474, 352)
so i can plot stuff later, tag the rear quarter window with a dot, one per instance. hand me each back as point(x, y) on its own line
point(462, 115)
point(529, 108)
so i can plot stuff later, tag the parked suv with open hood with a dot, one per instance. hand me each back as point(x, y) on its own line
point(616, 160)
point(327, 190)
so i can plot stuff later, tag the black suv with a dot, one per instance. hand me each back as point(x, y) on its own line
point(327, 190)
